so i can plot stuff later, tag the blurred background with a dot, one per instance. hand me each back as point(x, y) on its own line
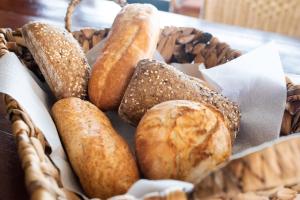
point(279, 16)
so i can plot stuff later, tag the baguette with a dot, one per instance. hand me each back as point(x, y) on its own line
point(60, 59)
point(99, 156)
point(133, 36)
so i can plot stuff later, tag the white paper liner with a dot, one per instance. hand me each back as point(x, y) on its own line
point(257, 83)
point(17, 81)
point(266, 71)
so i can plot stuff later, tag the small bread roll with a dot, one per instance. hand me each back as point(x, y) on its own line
point(59, 57)
point(133, 36)
point(99, 156)
point(182, 140)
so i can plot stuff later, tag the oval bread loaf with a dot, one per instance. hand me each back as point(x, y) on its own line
point(99, 156)
point(60, 59)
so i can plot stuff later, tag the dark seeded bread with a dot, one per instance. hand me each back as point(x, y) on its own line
point(154, 82)
point(60, 59)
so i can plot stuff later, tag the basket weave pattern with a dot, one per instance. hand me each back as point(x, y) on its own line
point(42, 177)
point(265, 172)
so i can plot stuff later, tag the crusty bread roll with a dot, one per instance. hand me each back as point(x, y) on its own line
point(133, 36)
point(99, 156)
point(154, 82)
point(182, 140)
point(59, 57)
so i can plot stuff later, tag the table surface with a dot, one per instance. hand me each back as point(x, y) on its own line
point(100, 14)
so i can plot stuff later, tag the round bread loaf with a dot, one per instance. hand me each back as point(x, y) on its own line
point(98, 154)
point(181, 139)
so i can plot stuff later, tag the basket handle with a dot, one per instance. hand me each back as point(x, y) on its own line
point(68, 19)
point(72, 6)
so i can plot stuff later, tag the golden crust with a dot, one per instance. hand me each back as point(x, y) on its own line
point(182, 140)
point(133, 36)
point(99, 156)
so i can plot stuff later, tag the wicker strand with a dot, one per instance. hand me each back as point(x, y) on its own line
point(68, 19)
point(3, 48)
point(41, 176)
point(72, 6)
point(260, 173)
point(19, 118)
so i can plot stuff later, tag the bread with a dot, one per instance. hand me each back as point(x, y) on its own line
point(133, 36)
point(154, 82)
point(60, 59)
point(181, 139)
point(99, 156)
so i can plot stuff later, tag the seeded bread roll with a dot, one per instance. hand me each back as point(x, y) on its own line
point(98, 154)
point(59, 57)
point(154, 82)
point(133, 36)
point(182, 140)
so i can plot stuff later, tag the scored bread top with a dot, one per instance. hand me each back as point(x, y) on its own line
point(59, 57)
point(193, 137)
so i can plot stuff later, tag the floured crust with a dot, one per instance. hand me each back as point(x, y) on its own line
point(133, 36)
point(98, 154)
point(182, 140)
point(59, 57)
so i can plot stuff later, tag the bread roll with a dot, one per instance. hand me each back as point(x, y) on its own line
point(59, 57)
point(99, 156)
point(133, 36)
point(154, 82)
point(182, 140)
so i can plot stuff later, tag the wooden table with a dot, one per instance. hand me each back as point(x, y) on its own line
point(100, 14)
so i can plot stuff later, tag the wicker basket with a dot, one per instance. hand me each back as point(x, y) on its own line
point(271, 173)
